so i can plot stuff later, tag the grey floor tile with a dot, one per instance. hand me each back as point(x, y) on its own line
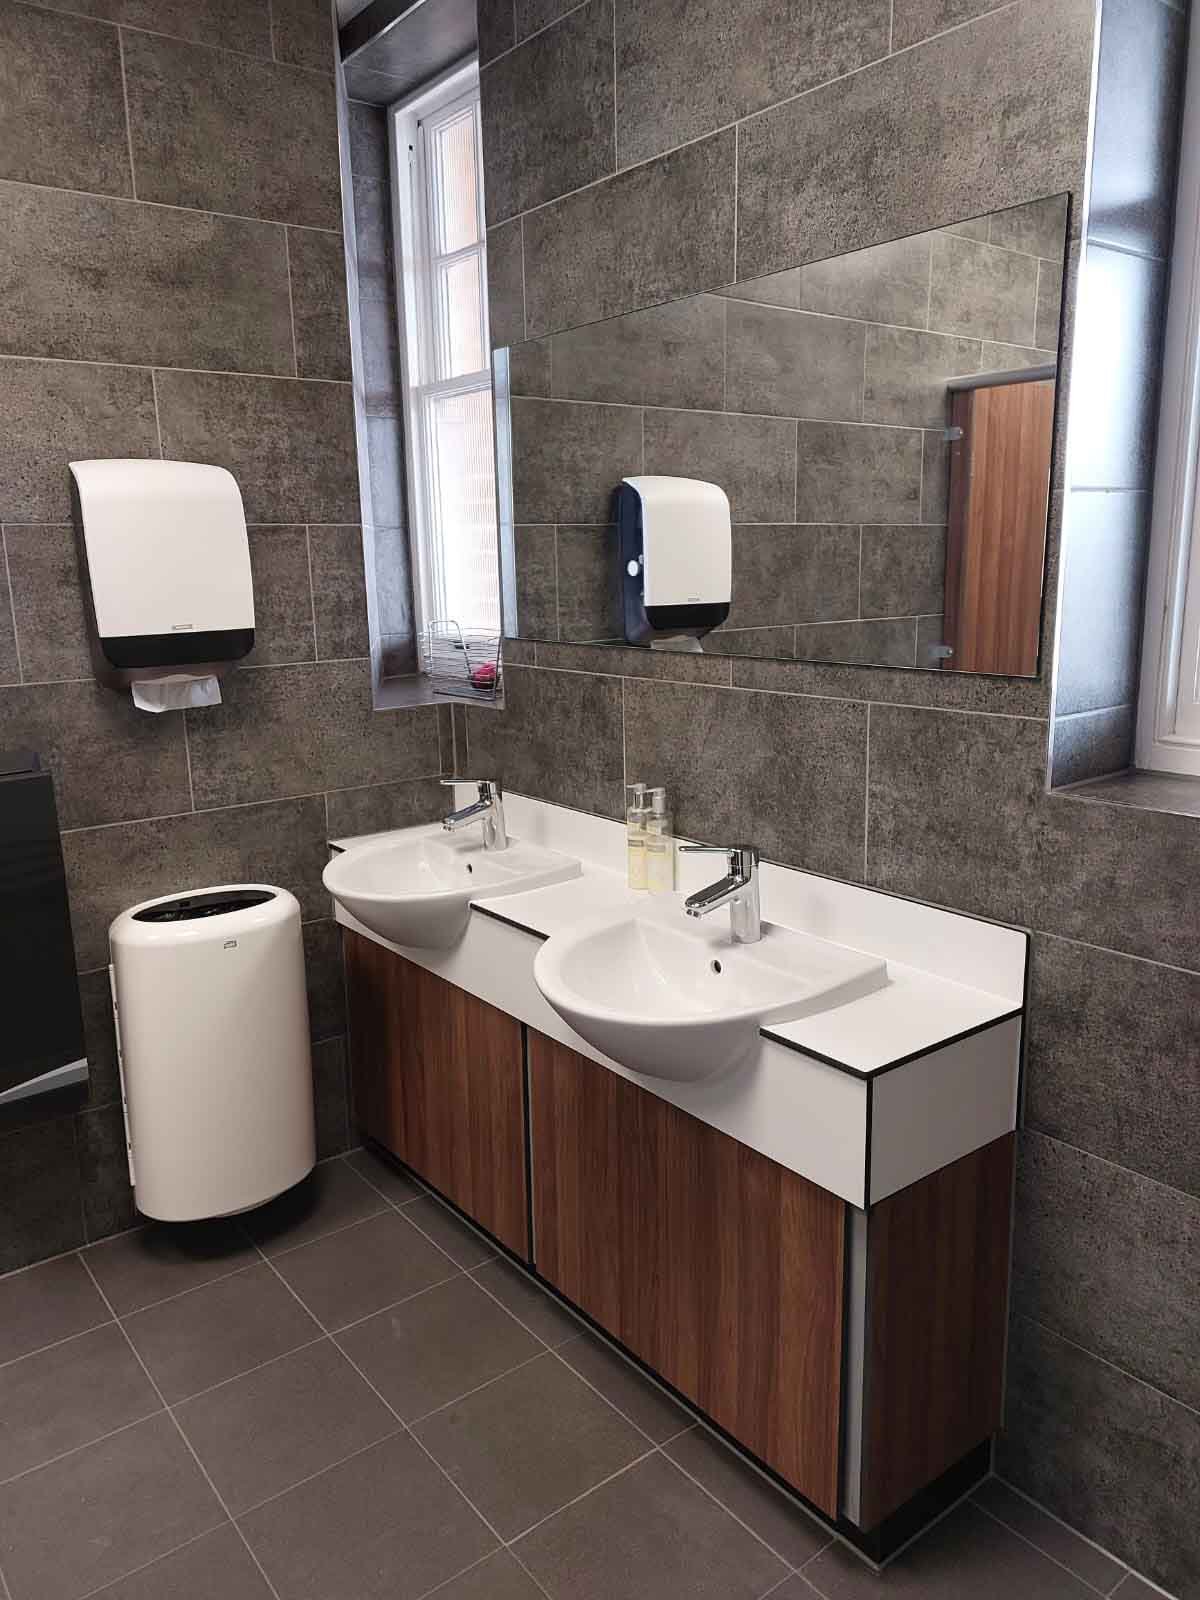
point(646, 1405)
point(64, 1397)
point(525, 1445)
point(965, 1555)
point(778, 1521)
point(208, 1335)
point(535, 1307)
point(1078, 1555)
point(102, 1511)
point(391, 1183)
point(437, 1346)
point(332, 1196)
point(461, 1243)
point(216, 1566)
point(264, 1432)
point(47, 1303)
point(383, 1526)
point(649, 1534)
point(150, 1264)
point(497, 1578)
point(364, 1268)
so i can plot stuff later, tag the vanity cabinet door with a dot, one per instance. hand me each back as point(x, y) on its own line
point(439, 1081)
point(718, 1268)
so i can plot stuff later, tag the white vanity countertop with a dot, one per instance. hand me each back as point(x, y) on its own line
point(959, 975)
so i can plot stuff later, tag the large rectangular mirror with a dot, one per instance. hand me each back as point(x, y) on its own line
point(881, 423)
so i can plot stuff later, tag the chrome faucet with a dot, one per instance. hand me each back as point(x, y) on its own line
point(488, 811)
point(738, 890)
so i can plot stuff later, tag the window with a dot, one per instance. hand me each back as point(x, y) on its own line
point(442, 287)
point(1168, 738)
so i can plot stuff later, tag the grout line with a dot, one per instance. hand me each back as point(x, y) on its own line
point(204, 372)
point(287, 264)
point(133, 194)
point(179, 38)
point(1033, 1545)
point(612, 1476)
point(616, 121)
point(271, 31)
point(322, 1337)
point(583, 1327)
point(161, 205)
point(417, 1294)
point(12, 607)
point(428, 1594)
point(1093, 1355)
point(1116, 1166)
point(187, 756)
point(312, 612)
point(737, 139)
point(278, 1255)
point(690, 411)
point(526, 37)
point(241, 805)
point(489, 1383)
point(54, 1344)
point(819, 1527)
point(63, 1455)
point(891, 25)
point(153, 1562)
point(524, 292)
point(311, 1477)
point(867, 796)
point(187, 1442)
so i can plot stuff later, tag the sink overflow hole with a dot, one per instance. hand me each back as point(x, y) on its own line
point(716, 966)
point(470, 868)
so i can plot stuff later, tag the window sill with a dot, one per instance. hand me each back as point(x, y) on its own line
point(395, 694)
point(1145, 791)
point(398, 694)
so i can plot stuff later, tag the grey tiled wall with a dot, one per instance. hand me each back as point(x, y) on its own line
point(816, 397)
point(925, 784)
point(171, 255)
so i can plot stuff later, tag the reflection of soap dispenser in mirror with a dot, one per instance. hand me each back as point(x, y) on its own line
point(660, 846)
point(637, 814)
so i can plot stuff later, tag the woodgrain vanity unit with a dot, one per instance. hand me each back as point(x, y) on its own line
point(812, 1248)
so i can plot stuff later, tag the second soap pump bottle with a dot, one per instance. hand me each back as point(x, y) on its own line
point(650, 846)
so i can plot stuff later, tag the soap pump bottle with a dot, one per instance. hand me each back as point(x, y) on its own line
point(660, 846)
point(636, 816)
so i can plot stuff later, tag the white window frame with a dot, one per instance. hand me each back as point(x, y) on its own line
point(1168, 728)
point(411, 234)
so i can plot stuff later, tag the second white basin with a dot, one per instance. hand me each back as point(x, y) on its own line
point(415, 887)
point(673, 997)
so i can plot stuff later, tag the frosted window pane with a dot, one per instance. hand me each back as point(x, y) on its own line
point(456, 184)
point(462, 334)
point(467, 580)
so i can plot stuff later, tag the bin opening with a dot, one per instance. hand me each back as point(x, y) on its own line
point(187, 907)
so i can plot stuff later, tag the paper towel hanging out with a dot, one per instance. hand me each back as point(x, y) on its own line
point(167, 564)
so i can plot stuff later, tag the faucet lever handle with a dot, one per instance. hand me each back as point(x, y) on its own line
point(742, 858)
point(489, 788)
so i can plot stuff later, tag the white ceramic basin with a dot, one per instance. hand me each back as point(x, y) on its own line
point(415, 887)
point(673, 997)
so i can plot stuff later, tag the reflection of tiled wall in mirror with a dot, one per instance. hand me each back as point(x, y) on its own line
point(817, 399)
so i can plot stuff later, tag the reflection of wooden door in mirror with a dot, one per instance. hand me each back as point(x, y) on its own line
point(996, 532)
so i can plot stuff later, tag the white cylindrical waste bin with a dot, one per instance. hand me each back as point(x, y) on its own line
point(212, 1034)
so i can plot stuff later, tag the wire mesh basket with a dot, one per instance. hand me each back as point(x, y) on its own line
point(461, 663)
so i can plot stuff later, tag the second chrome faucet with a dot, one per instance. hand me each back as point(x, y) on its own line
point(738, 890)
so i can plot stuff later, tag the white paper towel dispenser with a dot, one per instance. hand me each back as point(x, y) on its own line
point(676, 556)
point(167, 565)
